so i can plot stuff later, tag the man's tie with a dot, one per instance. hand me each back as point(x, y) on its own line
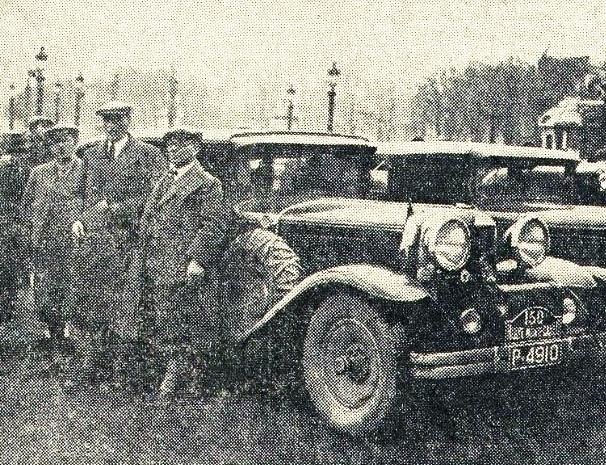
point(111, 150)
point(170, 176)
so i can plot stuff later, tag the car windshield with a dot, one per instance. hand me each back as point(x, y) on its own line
point(272, 178)
point(501, 185)
point(443, 180)
point(483, 182)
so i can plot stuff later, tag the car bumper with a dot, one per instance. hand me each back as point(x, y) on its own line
point(495, 359)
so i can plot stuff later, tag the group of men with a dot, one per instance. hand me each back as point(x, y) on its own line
point(122, 243)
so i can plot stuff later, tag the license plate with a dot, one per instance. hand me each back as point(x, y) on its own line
point(535, 355)
point(533, 323)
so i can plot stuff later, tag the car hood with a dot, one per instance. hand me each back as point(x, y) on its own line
point(573, 216)
point(369, 213)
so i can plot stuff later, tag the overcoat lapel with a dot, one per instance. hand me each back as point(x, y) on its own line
point(128, 155)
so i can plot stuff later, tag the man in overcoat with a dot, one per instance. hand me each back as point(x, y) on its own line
point(119, 172)
point(37, 149)
point(14, 171)
point(183, 228)
point(50, 203)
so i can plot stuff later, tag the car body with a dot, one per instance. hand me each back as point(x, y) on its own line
point(504, 181)
point(391, 290)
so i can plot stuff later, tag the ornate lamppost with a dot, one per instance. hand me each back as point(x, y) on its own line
point(11, 108)
point(172, 102)
point(58, 87)
point(290, 108)
point(333, 76)
point(79, 97)
point(289, 117)
point(28, 96)
point(38, 74)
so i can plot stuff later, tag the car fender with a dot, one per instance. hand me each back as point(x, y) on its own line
point(376, 281)
point(564, 273)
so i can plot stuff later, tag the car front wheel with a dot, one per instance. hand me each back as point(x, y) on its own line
point(350, 363)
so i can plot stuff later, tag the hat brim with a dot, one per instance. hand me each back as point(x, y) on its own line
point(40, 121)
point(112, 114)
point(182, 134)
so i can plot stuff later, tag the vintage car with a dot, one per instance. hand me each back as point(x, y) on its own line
point(505, 181)
point(360, 295)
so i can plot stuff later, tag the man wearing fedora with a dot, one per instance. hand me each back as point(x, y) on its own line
point(119, 172)
point(50, 203)
point(183, 229)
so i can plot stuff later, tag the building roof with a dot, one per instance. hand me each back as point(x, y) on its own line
point(473, 149)
point(569, 112)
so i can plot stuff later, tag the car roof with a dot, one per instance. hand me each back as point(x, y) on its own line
point(243, 138)
point(298, 138)
point(208, 134)
point(473, 149)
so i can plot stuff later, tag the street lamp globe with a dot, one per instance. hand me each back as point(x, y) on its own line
point(80, 83)
point(333, 75)
point(41, 58)
point(291, 94)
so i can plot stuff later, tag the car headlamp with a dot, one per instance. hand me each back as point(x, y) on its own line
point(569, 313)
point(449, 243)
point(529, 240)
point(471, 322)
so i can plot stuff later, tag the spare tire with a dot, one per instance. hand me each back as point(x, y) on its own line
point(259, 269)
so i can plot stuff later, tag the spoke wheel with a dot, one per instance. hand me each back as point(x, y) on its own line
point(350, 363)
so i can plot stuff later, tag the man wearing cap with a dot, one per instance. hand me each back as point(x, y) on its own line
point(182, 232)
point(119, 172)
point(38, 152)
point(50, 203)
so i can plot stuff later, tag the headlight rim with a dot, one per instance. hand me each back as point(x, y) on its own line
point(431, 243)
point(514, 239)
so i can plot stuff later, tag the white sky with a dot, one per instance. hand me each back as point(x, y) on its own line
point(291, 41)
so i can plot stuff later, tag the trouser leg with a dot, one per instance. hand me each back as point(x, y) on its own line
point(176, 362)
point(49, 295)
point(84, 364)
point(170, 337)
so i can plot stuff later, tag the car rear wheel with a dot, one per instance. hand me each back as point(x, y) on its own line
point(350, 363)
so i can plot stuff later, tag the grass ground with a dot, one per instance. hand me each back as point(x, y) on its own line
point(540, 417)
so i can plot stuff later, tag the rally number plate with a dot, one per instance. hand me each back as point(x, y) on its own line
point(535, 355)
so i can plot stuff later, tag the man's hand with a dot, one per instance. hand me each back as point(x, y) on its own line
point(78, 229)
point(5, 160)
point(102, 204)
point(114, 207)
point(195, 272)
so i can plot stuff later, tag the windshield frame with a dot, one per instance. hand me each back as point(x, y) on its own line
point(567, 191)
point(464, 189)
point(266, 195)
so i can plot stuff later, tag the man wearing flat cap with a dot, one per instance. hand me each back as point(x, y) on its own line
point(183, 228)
point(50, 203)
point(119, 172)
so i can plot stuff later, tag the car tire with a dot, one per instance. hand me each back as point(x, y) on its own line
point(259, 269)
point(351, 364)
